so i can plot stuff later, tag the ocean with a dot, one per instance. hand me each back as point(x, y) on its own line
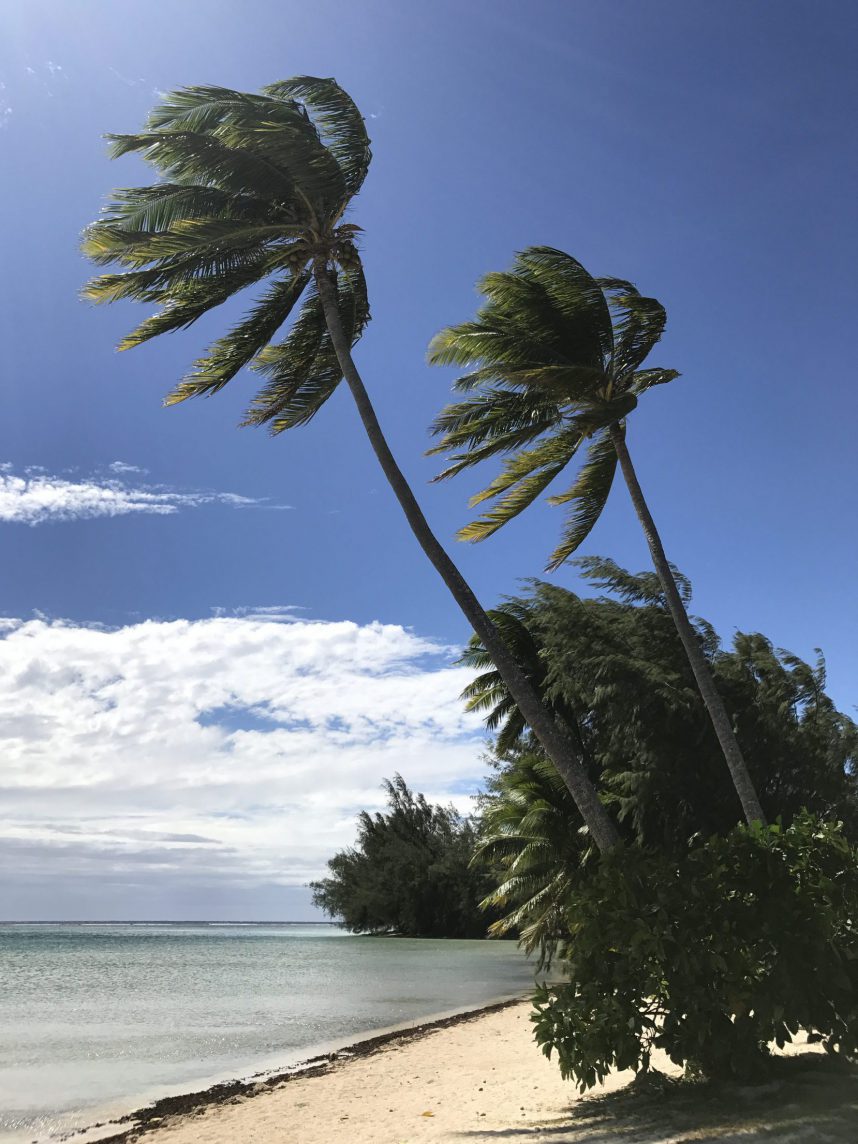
point(97, 1019)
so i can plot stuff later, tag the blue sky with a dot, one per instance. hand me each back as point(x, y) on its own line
point(704, 151)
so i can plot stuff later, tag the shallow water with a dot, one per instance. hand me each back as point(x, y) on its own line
point(98, 1019)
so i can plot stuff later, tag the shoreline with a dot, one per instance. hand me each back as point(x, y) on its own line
point(149, 1117)
point(477, 1077)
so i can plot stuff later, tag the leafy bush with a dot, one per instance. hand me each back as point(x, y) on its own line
point(742, 941)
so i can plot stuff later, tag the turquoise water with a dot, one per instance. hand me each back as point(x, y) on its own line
point(98, 1019)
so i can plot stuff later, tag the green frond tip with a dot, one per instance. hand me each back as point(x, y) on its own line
point(645, 379)
point(588, 496)
point(524, 477)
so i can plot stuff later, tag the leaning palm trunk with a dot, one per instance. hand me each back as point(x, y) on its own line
point(706, 684)
point(557, 745)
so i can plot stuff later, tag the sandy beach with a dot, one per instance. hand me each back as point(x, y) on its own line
point(480, 1078)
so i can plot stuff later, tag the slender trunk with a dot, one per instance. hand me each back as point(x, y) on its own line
point(556, 743)
point(706, 684)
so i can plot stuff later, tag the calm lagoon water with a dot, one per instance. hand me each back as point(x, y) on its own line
point(98, 1019)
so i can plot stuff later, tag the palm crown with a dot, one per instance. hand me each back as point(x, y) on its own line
point(554, 358)
point(253, 189)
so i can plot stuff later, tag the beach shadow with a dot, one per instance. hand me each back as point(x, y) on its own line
point(810, 1099)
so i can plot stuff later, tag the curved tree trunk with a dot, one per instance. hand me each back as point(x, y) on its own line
point(705, 683)
point(553, 739)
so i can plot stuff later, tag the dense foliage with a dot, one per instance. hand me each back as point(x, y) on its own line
point(409, 873)
point(614, 669)
point(712, 955)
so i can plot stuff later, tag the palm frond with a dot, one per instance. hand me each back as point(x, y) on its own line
point(303, 370)
point(588, 495)
point(524, 477)
point(638, 324)
point(576, 295)
point(237, 348)
point(645, 379)
point(203, 237)
point(494, 341)
point(341, 126)
point(187, 302)
point(159, 206)
point(156, 283)
point(202, 108)
point(629, 587)
point(186, 156)
point(494, 422)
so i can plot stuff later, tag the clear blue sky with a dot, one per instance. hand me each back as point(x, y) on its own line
point(705, 151)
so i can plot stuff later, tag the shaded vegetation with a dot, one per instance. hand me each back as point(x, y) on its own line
point(613, 668)
point(742, 941)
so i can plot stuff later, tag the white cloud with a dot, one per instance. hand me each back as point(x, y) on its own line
point(227, 753)
point(123, 467)
point(38, 497)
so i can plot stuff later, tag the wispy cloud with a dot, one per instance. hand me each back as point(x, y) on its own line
point(5, 107)
point(127, 80)
point(222, 754)
point(38, 497)
point(123, 467)
point(273, 613)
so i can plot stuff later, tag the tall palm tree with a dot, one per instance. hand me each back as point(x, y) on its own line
point(254, 188)
point(554, 359)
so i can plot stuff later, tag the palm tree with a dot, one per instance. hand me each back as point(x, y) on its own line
point(525, 839)
point(254, 188)
point(554, 359)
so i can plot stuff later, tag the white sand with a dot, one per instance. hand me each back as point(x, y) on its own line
point(485, 1080)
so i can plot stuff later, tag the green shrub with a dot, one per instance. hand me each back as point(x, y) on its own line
point(711, 956)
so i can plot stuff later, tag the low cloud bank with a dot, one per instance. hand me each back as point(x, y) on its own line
point(209, 767)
